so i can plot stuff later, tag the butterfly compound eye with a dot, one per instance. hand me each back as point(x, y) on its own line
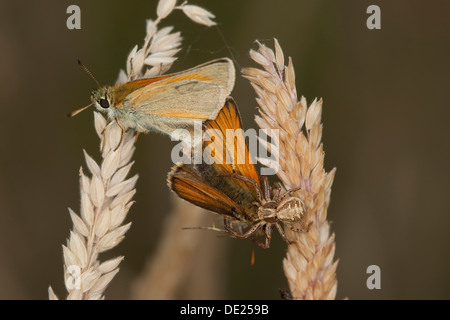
point(104, 103)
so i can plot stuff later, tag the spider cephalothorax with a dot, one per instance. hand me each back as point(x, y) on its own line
point(281, 207)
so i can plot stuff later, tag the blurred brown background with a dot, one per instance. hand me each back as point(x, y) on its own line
point(385, 119)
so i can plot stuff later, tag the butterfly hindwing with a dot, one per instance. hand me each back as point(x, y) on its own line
point(189, 185)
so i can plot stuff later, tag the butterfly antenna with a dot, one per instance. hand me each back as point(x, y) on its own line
point(88, 72)
point(74, 113)
point(213, 228)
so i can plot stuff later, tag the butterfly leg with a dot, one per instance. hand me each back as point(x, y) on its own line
point(103, 134)
point(121, 134)
point(139, 130)
point(137, 136)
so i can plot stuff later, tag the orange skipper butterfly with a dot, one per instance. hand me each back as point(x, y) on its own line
point(234, 189)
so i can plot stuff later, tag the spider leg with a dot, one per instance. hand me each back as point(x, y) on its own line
point(244, 235)
point(288, 192)
point(301, 230)
point(258, 243)
point(282, 233)
point(268, 233)
point(276, 191)
point(267, 237)
point(266, 187)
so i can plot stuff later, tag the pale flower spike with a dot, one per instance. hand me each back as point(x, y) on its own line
point(308, 265)
point(160, 46)
point(106, 197)
point(165, 7)
point(199, 15)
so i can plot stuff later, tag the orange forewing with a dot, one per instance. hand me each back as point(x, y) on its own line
point(121, 91)
point(235, 157)
point(210, 186)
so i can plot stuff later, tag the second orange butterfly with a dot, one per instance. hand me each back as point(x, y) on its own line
point(249, 205)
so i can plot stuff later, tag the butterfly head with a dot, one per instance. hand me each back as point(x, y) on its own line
point(101, 98)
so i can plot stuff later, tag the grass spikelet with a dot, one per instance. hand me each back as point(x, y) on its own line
point(308, 265)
